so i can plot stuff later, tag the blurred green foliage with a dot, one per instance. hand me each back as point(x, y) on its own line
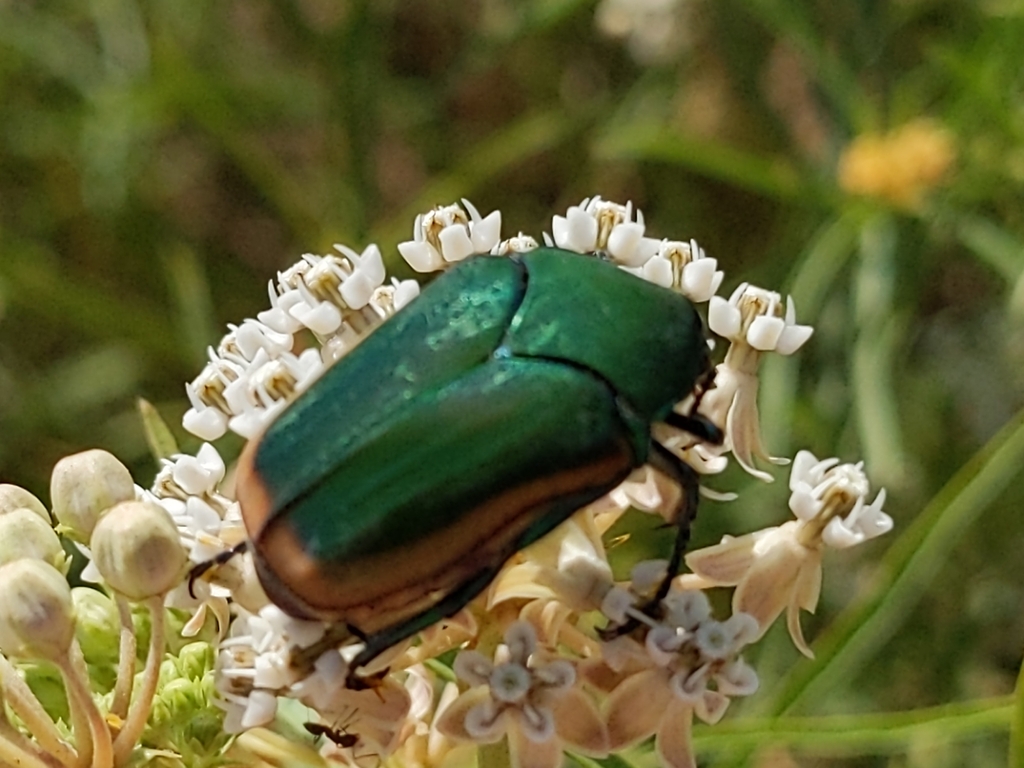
point(159, 161)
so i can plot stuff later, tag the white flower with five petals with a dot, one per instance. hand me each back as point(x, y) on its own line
point(779, 568)
point(599, 225)
point(448, 234)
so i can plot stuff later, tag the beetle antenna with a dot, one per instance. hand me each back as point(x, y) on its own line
point(223, 557)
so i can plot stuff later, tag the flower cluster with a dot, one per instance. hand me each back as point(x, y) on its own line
point(113, 714)
point(554, 654)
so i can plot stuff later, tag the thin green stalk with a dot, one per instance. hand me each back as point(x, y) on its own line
point(1016, 756)
point(863, 734)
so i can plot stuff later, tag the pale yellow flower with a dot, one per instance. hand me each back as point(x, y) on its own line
point(688, 665)
point(538, 704)
point(780, 568)
point(900, 166)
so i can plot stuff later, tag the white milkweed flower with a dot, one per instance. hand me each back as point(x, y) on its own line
point(243, 342)
point(684, 268)
point(448, 234)
point(208, 417)
point(779, 568)
point(519, 244)
point(759, 319)
point(754, 321)
point(334, 291)
point(832, 496)
point(599, 225)
point(267, 387)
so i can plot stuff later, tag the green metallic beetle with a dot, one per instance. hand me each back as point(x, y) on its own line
point(512, 392)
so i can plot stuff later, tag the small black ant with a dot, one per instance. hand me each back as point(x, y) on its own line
point(339, 735)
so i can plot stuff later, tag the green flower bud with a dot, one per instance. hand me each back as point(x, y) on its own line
point(24, 534)
point(85, 485)
point(98, 625)
point(37, 619)
point(12, 497)
point(137, 549)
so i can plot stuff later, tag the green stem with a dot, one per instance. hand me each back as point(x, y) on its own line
point(1016, 757)
point(126, 660)
point(25, 705)
point(92, 737)
point(136, 722)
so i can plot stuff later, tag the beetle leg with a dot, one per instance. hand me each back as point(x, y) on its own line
point(663, 460)
point(699, 426)
point(303, 658)
point(201, 568)
point(377, 643)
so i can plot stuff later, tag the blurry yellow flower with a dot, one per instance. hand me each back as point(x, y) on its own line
point(900, 166)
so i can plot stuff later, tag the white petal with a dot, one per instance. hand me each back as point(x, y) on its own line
point(323, 319)
point(793, 338)
point(486, 232)
point(271, 672)
point(369, 262)
point(839, 536)
point(421, 256)
point(700, 280)
point(207, 424)
point(202, 516)
point(212, 463)
point(873, 521)
point(623, 242)
point(455, 243)
point(803, 463)
point(579, 232)
point(723, 318)
point(803, 504)
point(764, 332)
point(357, 290)
point(260, 710)
point(658, 271)
point(406, 291)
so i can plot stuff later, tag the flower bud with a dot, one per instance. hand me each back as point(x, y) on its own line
point(85, 485)
point(36, 614)
point(137, 549)
point(12, 497)
point(24, 534)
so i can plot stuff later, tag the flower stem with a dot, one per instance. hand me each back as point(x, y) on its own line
point(126, 660)
point(12, 753)
point(136, 722)
point(92, 737)
point(25, 705)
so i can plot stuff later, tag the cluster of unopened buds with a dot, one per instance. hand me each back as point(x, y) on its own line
point(534, 674)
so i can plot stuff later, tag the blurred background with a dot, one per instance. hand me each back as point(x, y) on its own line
point(160, 160)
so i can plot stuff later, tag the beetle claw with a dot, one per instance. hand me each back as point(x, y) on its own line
point(198, 570)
